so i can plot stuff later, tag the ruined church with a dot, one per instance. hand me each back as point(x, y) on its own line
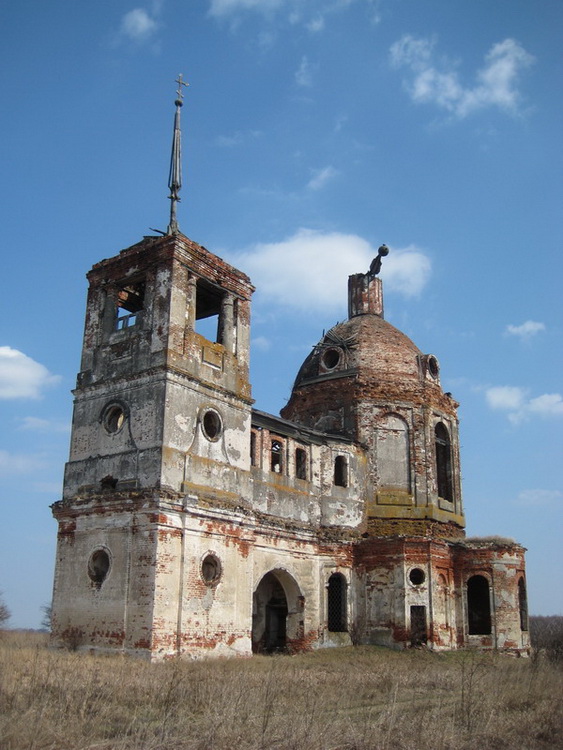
point(193, 524)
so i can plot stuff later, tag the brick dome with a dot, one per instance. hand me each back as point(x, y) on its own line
point(365, 358)
point(367, 344)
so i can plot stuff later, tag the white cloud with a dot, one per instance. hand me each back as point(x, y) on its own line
point(21, 376)
point(316, 24)
point(237, 138)
point(14, 463)
point(495, 82)
point(310, 14)
point(526, 330)
point(407, 271)
point(547, 405)
point(321, 177)
point(340, 122)
point(36, 424)
point(304, 74)
point(138, 25)
point(519, 406)
point(505, 397)
point(540, 497)
point(262, 343)
point(228, 141)
point(309, 270)
point(229, 7)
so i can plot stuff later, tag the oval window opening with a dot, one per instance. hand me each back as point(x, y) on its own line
point(98, 566)
point(210, 570)
point(331, 358)
point(212, 425)
point(433, 366)
point(417, 576)
point(114, 419)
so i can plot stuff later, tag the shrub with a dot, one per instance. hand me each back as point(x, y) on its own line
point(5, 613)
point(546, 634)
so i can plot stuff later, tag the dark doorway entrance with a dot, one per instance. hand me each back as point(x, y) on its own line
point(418, 626)
point(276, 621)
point(269, 619)
point(336, 603)
point(478, 606)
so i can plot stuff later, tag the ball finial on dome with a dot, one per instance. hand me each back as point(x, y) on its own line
point(375, 267)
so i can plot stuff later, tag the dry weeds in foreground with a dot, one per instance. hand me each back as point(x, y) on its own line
point(339, 699)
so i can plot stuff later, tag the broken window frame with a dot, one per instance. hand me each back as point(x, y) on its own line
point(130, 301)
point(277, 462)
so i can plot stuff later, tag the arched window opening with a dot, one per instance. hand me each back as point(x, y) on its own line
point(478, 606)
point(341, 471)
point(300, 463)
point(276, 456)
point(523, 604)
point(443, 463)
point(393, 454)
point(336, 604)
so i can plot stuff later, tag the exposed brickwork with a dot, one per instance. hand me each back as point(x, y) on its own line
point(192, 525)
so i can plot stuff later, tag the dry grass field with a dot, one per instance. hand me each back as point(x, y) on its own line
point(363, 698)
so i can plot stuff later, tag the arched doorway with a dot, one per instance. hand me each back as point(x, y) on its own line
point(277, 613)
point(478, 606)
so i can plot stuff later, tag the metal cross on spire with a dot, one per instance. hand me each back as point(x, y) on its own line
point(175, 175)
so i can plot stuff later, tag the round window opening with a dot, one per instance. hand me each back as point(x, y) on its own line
point(114, 419)
point(210, 569)
point(212, 425)
point(433, 366)
point(98, 566)
point(417, 576)
point(331, 358)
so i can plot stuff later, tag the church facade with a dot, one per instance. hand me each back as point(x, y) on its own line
point(192, 524)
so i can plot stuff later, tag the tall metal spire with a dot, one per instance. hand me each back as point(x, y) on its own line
point(175, 175)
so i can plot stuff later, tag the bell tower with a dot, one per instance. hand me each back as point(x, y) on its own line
point(155, 396)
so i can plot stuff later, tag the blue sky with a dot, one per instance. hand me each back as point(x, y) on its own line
point(312, 133)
